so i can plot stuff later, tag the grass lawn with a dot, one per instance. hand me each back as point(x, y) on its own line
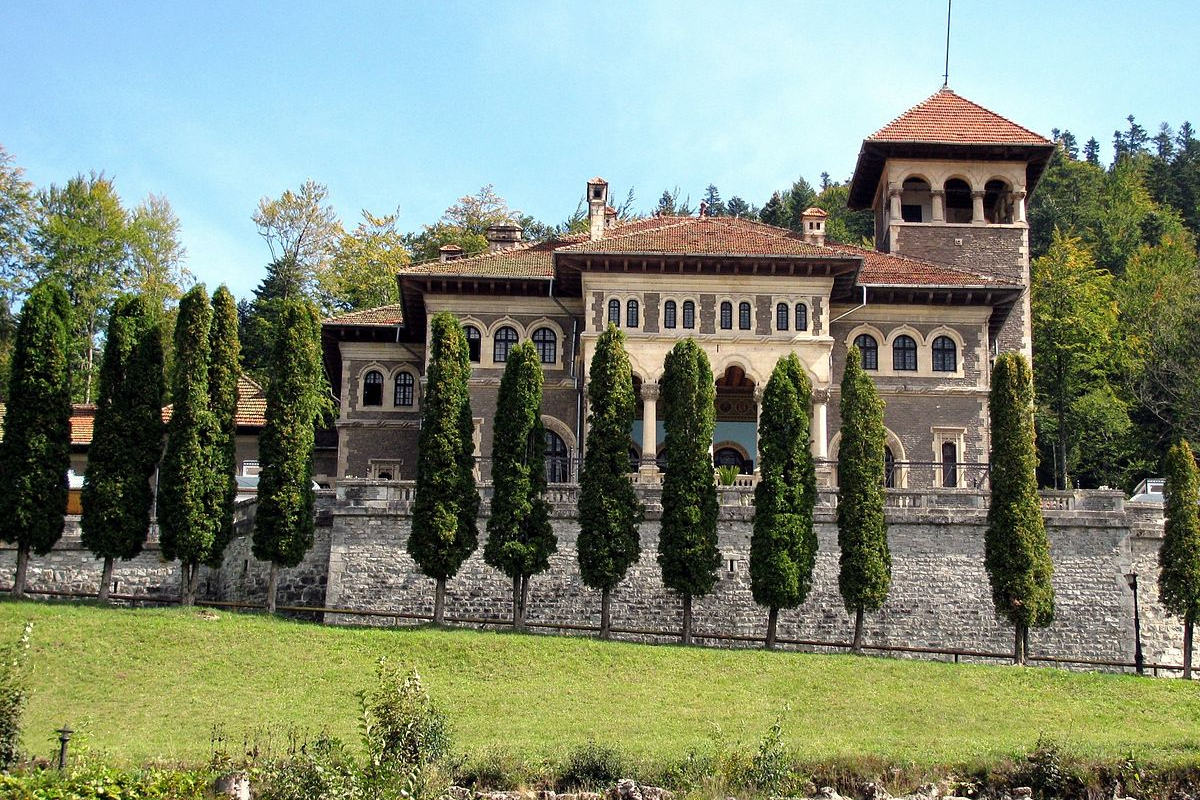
point(153, 683)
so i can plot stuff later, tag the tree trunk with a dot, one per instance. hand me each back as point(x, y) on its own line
point(105, 580)
point(272, 587)
point(687, 619)
point(772, 619)
point(1019, 645)
point(857, 645)
point(22, 570)
point(516, 615)
point(439, 602)
point(606, 613)
point(524, 600)
point(1188, 626)
point(186, 598)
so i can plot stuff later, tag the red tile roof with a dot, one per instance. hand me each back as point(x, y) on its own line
point(887, 269)
point(948, 118)
point(252, 403)
point(386, 316)
point(524, 261)
point(83, 420)
point(703, 236)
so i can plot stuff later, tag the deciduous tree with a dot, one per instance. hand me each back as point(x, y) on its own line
point(1016, 551)
point(520, 539)
point(35, 453)
point(186, 521)
point(127, 437)
point(687, 542)
point(609, 509)
point(362, 273)
point(296, 399)
point(865, 574)
point(444, 528)
point(1179, 556)
point(783, 547)
point(302, 230)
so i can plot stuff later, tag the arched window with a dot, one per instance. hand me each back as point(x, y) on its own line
point(546, 342)
point(631, 314)
point(997, 202)
point(959, 207)
point(869, 348)
point(503, 342)
point(669, 314)
point(558, 460)
point(949, 465)
point(474, 340)
point(781, 317)
point(801, 317)
point(915, 201)
point(614, 311)
point(945, 355)
point(729, 457)
point(726, 315)
point(889, 468)
point(689, 314)
point(373, 389)
point(744, 316)
point(904, 353)
point(403, 396)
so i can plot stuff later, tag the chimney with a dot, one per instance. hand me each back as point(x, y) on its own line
point(597, 196)
point(704, 208)
point(503, 236)
point(812, 221)
point(449, 252)
point(610, 217)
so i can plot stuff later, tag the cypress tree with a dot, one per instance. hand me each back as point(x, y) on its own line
point(687, 543)
point(187, 527)
point(783, 547)
point(36, 451)
point(520, 539)
point(609, 509)
point(127, 438)
point(865, 564)
point(444, 527)
point(1016, 552)
point(1179, 557)
point(283, 524)
point(224, 369)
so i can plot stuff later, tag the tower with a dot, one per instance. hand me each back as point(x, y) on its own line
point(948, 181)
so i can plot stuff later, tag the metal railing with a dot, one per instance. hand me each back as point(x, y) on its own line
point(397, 617)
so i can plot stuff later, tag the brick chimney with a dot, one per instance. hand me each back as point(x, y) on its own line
point(813, 223)
point(597, 197)
point(503, 236)
point(449, 252)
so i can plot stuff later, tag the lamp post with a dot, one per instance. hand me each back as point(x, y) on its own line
point(64, 736)
point(1131, 579)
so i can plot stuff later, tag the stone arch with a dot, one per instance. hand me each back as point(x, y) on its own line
point(998, 201)
point(562, 429)
point(959, 206)
point(891, 441)
point(390, 384)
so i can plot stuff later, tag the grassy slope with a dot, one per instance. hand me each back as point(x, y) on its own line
point(151, 684)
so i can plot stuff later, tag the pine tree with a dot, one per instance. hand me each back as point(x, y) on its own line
point(127, 437)
point(520, 539)
point(224, 370)
point(36, 451)
point(1016, 551)
point(609, 509)
point(444, 527)
point(186, 523)
point(687, 542)
point(783, 547)
point(866, 564)
point(296, 399)
point(1179, 557)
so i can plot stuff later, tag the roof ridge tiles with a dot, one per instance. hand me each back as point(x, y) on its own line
point(929, 115)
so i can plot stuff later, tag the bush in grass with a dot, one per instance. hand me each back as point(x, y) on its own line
point(322, 770)
point(400, 723)
point(13, 692)
point(592, 766)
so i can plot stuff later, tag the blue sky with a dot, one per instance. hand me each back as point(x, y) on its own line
point(412, 105)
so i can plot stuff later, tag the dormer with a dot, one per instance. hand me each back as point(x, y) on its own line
point(946, 163)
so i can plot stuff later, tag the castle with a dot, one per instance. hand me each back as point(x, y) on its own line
point(945, 289)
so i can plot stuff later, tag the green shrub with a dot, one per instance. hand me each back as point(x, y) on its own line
point(1047, 772)
point(400, 723)
point(498, 769)
point(590, 767)
point(727, 473)
point(97, 782)
point(323, 770)
point(13, 692)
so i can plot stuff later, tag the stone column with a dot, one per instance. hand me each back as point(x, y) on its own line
point(820, 423)
point(977, 208)
point(649, 465)
point(1018, 200)
point(759, 391)
point(939, 205)
point(894, 200)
